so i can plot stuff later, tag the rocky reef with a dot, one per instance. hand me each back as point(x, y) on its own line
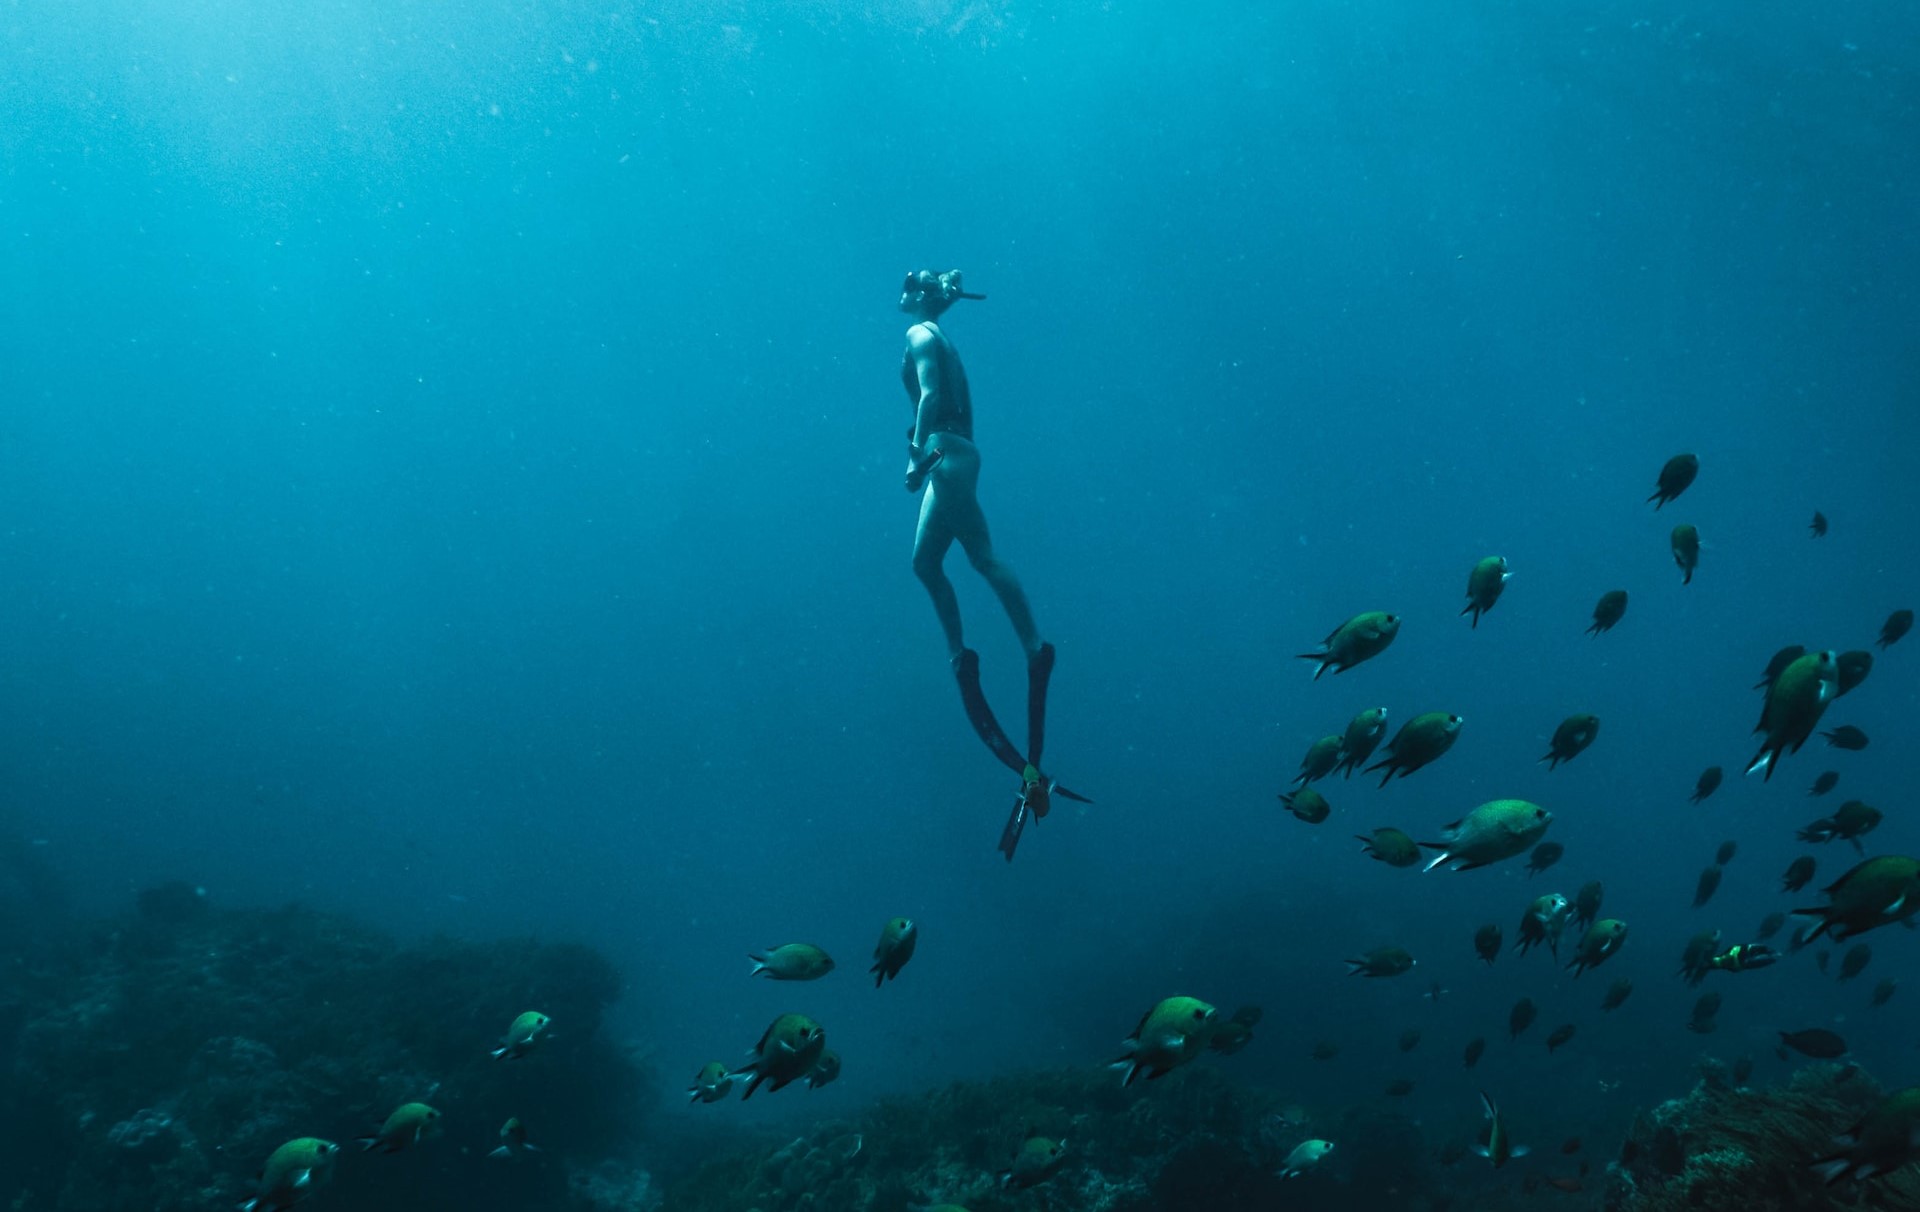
point(1197, 1139)
point(155, 1060)
point(1724, 1148)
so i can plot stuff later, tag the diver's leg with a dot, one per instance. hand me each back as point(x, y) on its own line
point(931, 540)
point(970, 527)
point(930, 546)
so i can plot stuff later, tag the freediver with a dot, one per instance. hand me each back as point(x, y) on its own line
point(943, 465)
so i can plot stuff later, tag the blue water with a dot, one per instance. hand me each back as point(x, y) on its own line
point(450, 474)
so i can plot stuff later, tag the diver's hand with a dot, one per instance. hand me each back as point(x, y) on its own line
point(919, 468)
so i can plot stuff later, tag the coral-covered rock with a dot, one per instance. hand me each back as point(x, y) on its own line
point(1722, 1149)
point(1196, 1139)
point(159, 1063)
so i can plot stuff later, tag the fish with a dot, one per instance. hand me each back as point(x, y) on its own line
point(1855, 665)
point(1400, 1087)
point(1694, 961)
point(1898, 624)
point(1565, 1182)
point(1382, 961)
point(1846, 737)
point(1874, 893)
point(1819, 525)
point(898, 938)
point(1676, 475)
point(1305, 1156)
point(523, 1035)
point(1602, 942)
point(1475, 1048)
point(1322, 758)
point(1560, 1036)
point(1778, 662)
point(1360, 638)
point(1486, 943)
point(1705, 1011)
point(1499, 1147)
point(1795, 702)
point(1586, 903)
point(1800, 871)
point(792, 962)
point(1543, 922)
point(1235, 1033)
point(1570, 1146)
point(1521, 1017)
point(787, 1052)
point(824, 1070)
point(1391, 846)
point(409, 1124)
point(1038, 1159)
point(293, 1171)
point(1420, 741)
point(711, 1084)
point(1617, 994)
point(1706, 784)
point(1608, 611)
point(513, 1140)
point(1409, 1039)
point(1545, 855)
point(1853, 821)
point(1171, 1033)
point(1326, 1049)
point(1742, 1070)
point(1307, 804)
point(1685, 542)
point(1770, 925)
point(1855, 961)
point(1496, 830)
point(1706, 886)
point(1816, 1042)
point(1571, 739)
point(1828, 780)
point(1885, 1139)
point(1883, 992)
point(1361, 738)
point(1485, 584)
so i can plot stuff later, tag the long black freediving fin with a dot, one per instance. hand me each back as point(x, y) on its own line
point(966, 671)
point(1039, 672)
point(1016, 824)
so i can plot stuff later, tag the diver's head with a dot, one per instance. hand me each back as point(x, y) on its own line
point(927, 293)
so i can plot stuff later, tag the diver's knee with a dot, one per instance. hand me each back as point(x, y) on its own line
point(989, 565)
point(927, 568)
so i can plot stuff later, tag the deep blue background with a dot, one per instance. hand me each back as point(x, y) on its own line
point(450, 472)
